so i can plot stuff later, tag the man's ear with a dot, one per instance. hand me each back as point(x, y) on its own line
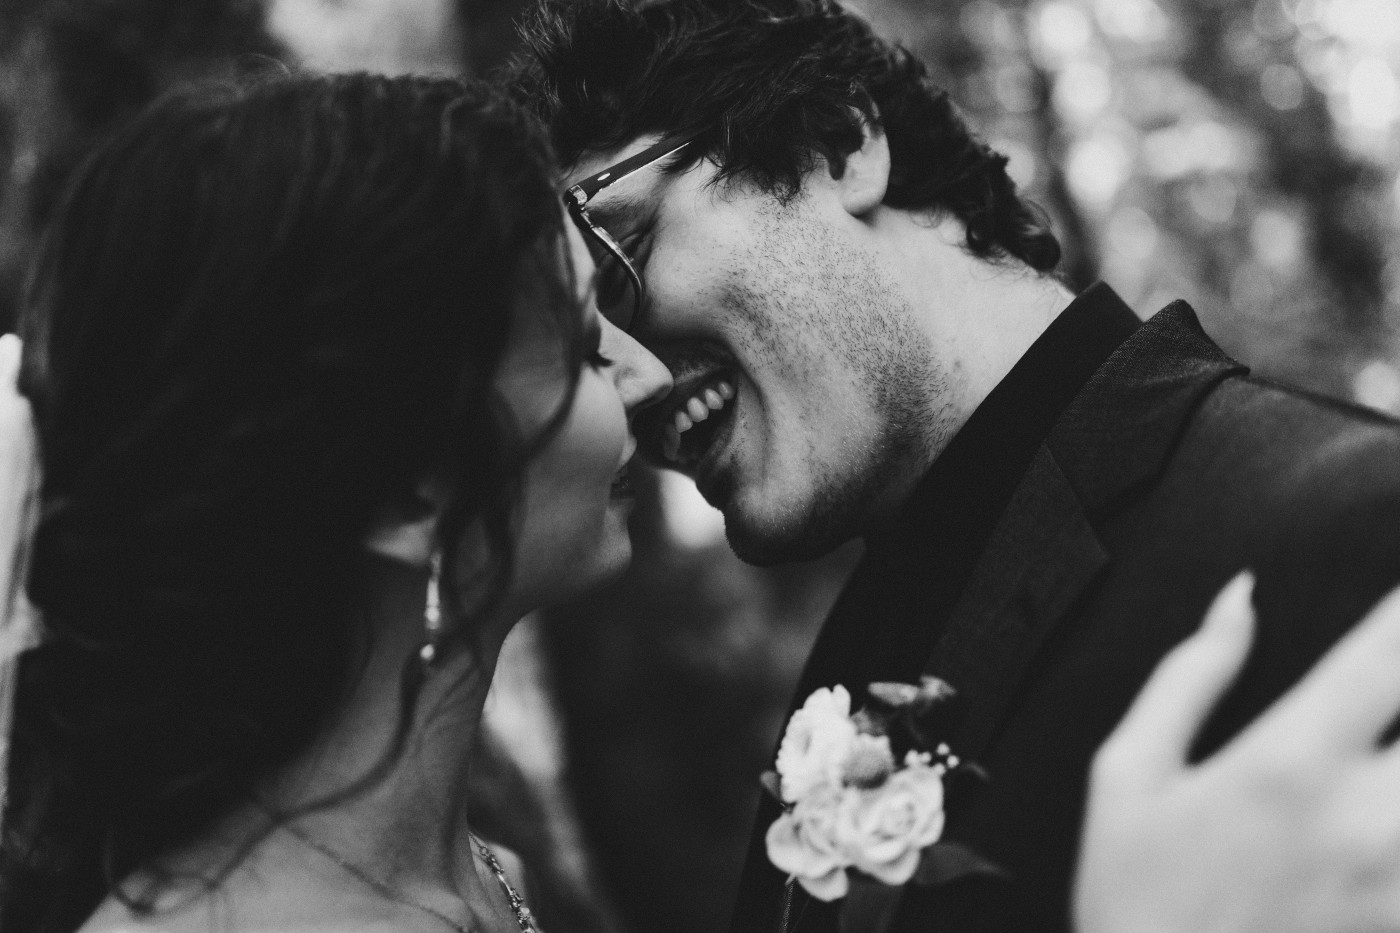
point(862, 183)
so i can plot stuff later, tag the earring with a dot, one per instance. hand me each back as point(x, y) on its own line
point(432, 612)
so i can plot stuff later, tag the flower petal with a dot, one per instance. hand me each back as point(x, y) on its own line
point(828, 887)
point(791, 852)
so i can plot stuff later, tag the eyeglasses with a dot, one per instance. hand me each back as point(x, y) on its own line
point(620, 291)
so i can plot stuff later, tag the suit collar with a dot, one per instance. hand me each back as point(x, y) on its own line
point(1119, 431)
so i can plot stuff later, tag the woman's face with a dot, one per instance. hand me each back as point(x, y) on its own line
point(576, 498)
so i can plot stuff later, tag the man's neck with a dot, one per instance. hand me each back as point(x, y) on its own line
point(1003, 312)
point(980, 316)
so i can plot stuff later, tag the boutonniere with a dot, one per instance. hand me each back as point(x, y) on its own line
point(865, 798)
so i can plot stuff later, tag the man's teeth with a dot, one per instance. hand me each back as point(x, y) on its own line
point(695, 409)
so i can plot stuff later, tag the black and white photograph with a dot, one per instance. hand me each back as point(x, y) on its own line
point(699, 466)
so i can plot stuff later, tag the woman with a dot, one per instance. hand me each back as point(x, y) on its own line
point(323, 410)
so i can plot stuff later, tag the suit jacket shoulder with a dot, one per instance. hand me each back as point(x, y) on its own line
point(1172, 470)
point(1313, 490)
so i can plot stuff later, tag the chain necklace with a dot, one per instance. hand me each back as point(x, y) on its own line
point(517, 903)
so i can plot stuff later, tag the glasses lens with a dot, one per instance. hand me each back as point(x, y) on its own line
point(616, 289)
point(617, 286)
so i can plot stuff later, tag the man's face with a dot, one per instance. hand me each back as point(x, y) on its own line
point(804, 390)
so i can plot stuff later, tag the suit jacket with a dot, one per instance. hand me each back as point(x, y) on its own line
point(1170, 471)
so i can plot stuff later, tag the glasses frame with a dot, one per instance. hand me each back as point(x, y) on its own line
point(577, 196)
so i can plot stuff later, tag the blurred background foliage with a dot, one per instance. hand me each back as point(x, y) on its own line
point(1241, 154)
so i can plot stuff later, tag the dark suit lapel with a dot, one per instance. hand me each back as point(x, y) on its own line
point(1043, 554)
point(1114, 437)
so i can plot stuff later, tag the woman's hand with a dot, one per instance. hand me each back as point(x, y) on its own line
point(1293, 826)
point(19, 490)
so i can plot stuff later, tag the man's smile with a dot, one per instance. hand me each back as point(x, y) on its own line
point(692, 422)
point(695, 417)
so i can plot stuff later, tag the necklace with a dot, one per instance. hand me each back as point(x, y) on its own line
point(384, 890)
point(517, 903)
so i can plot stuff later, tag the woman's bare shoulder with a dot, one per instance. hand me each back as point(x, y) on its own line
point(207, 924)
point(359, 925)
point(219, 914)
point(323, 925)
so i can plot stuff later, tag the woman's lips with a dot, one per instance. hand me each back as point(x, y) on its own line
point(622, 483)
point(622, 480)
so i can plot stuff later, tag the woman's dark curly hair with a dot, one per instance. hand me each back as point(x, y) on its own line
point(262, 316)
point(768, 85)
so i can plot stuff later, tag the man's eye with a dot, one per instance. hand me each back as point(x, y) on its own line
point(613, 284)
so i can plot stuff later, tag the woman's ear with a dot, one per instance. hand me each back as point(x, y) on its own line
point(407, 542)
point(865, 176)
point(407, 531)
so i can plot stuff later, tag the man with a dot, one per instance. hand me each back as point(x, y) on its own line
point(867, 341)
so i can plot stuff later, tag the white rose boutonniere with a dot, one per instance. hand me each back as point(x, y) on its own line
point(892, 824)
point(856, 819)
point(819, 738)
point(806, 842)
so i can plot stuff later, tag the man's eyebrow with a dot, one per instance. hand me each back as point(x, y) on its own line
point(622, 207)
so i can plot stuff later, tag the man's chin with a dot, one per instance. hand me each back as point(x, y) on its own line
point(763, 544)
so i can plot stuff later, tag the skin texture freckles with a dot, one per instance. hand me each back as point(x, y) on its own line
point(803, 299)
point(818, 314)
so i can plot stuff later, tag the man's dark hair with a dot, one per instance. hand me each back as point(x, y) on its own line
point(769, 85)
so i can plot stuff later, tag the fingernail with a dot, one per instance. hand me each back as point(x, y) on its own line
point(1233, 609)
point(9, 355)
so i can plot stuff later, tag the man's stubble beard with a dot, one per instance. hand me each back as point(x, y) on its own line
point(860, 316)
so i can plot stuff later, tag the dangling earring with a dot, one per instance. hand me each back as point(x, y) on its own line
point(432, 613)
